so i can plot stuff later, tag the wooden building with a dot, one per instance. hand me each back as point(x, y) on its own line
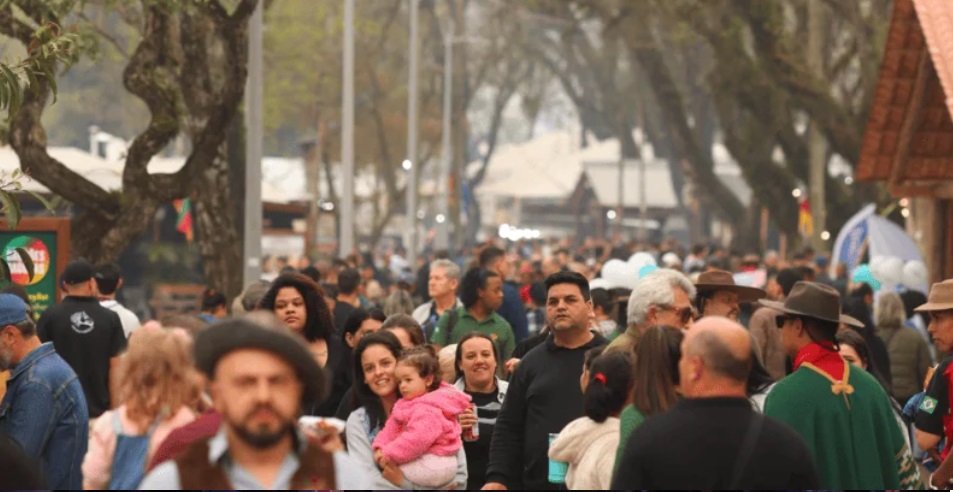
point(909, 139)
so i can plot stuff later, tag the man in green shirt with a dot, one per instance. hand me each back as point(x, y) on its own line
point(481, 292)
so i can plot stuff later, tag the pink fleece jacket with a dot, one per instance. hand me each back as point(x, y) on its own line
point(425, 425)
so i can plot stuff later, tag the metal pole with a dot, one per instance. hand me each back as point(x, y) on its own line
point(346, 241)
point(412, 173)
point(253, 150)
point(817, 154)
point(620, 228)
point(643, 203)
point(443, 210)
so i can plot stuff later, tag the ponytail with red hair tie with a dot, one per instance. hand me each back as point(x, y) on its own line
point(600, 377)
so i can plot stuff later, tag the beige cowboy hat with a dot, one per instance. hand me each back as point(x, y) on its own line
point(940, 299)
point(720, 280)
point(813, 300)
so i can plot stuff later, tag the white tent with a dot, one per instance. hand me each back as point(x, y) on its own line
point(875, 235)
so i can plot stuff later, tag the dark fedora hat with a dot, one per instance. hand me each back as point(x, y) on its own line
point(225, 337)
point(813, 300)
point(718, 280)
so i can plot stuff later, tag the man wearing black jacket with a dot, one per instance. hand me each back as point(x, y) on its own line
point(543, 396)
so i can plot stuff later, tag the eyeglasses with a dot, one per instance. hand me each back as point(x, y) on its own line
point(684, 315)
point(780, 320)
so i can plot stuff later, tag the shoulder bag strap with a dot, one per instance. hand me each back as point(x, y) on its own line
point(747, 449)
point(451, 322)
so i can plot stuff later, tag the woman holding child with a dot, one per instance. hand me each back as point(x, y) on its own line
point(376, 394)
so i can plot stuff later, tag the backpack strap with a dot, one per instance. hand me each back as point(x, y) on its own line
point(451, 322)
point(747, 449)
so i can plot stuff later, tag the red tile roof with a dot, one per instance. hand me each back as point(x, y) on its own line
point(909, 133)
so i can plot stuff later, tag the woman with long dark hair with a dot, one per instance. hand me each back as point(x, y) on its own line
point(299, 302)
point(656, 379)
point(375, 393)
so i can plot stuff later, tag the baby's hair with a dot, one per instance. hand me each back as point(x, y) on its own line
point(424, 360)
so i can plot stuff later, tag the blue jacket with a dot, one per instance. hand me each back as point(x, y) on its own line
point(514, 312)
point(45, 411)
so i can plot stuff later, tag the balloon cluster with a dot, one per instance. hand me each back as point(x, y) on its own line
point(890, 273)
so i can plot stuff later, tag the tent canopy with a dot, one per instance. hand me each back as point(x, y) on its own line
point(870, 233)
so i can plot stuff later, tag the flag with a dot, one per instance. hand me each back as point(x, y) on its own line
point(805, 219)
point(183, 223)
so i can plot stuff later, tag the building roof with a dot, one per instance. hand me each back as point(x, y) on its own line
point(604, 179)
point(909, 137)
point(545, 167)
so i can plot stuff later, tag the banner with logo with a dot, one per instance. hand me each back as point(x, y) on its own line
point(47, 243)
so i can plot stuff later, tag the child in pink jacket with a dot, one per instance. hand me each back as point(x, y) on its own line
point(422, 434)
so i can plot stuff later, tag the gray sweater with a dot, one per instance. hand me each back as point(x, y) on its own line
point(361, 454)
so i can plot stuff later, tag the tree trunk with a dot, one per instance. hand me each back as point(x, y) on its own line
point(218, 239)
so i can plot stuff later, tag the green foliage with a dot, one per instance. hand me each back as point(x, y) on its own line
point(49, 47)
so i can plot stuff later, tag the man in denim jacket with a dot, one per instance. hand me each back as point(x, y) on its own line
point(44, 409)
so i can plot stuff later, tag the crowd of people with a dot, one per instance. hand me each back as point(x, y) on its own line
point(522, 366)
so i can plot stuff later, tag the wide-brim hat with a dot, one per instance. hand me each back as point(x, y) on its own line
point(720, 280)
point(940, 298)
point(813, 300)
point(225, 337)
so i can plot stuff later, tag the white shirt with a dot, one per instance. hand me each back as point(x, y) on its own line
point(130, 322)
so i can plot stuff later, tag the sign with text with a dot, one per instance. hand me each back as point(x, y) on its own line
point(47, 243)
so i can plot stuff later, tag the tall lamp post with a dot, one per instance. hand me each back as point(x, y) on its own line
point(346, 241)
point(411, 165)
point(253, 151)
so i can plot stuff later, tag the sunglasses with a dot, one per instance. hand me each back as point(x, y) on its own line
point(684, 315)
point(780, 320)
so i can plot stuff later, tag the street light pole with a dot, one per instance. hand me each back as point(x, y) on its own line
point(412, 172)
point(443, 208)
point(253, 151)
point(346, 241)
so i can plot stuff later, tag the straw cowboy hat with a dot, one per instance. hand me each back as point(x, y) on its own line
point(813, 300)
point(940, 299)
point(720, 280)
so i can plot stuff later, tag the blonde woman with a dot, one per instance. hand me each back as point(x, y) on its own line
point(157, 384)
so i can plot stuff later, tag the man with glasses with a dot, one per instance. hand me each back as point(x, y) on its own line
point(933, 419)
point(839, 409)
point(662, 298)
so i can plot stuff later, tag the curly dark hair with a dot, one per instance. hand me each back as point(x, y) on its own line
point(320, 324)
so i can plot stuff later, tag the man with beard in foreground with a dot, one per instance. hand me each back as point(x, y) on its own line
point(259, 380)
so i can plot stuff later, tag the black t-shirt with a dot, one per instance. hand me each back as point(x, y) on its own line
point(936, 402)
point(86, 335)
point(478, 452)
point(341, 311)
point(695, 445)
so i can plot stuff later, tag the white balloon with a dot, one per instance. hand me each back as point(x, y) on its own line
point(891, 272)
point(630, 276)
point(670, 260)
point(877, 264)
point(598, 283)
point(916, 276)
point(612, 272)
point(641, 259)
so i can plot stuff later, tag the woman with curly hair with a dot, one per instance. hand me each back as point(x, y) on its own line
point(299, 302)
point(157, 384)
